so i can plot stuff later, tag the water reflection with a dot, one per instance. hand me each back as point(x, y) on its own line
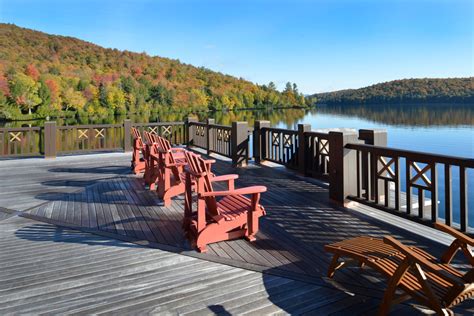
point(419, 115)
point(395, 115)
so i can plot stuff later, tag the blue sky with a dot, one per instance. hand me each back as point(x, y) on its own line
point(320, 45)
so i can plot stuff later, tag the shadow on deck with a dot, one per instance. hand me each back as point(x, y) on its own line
point(300, 221)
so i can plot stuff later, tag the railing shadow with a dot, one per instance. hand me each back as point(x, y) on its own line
point(113, 170)
point(57, 234)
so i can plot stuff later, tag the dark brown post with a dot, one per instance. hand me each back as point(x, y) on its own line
point(50, 140)
point(209, 135)
point(258, 135)
point(376, 137)
point(342, 166)
point(190, 131)
point(127, 138)
point(239, 143)
point(302, 147)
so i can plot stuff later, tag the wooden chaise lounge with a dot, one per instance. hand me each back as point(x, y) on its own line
point(431, 281)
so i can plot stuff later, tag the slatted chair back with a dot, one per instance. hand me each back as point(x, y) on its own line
point(147, 137)
point(201, 172)
point(165, 145)
point(136, 164)
point(437, 285)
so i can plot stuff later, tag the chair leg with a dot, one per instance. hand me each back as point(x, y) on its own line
point(387, 300)
point(392, 287)
point(334, 265)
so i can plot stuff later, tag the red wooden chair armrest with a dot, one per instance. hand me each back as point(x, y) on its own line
point(242, 191)
point(423, 262)
point(154, 157)
point(455, 233)
point(225, 177)
point(209, 161)
point(178, 149)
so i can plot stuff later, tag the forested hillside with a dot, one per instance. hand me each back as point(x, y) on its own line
point(451, 90)
point(48, 75)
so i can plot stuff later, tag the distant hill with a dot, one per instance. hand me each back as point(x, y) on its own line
point(42, 74)
point(406, 91)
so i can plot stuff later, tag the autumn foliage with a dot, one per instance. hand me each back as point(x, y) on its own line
point(43, 74)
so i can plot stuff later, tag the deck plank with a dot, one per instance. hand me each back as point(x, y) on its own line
point(103, 198)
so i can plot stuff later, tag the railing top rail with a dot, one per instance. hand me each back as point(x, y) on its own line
point(157, 124)
point(89, 126)
point(198, 123)
point(281, 130)
point(414, 155)
point(19, 129)
point(317, 134)
point(221, 126)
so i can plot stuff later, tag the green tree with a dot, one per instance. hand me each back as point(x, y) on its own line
point(24, 91)
point(116, 100)
point(199, 98)
point(44, 94)
point(73, 100)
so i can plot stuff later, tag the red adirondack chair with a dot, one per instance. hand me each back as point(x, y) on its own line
point(138, 161)
point(232, 216)
point(170, 176)
point(149, 140)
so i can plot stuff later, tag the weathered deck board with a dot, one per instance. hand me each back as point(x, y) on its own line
point(300, 221)
point(37, 180)
point(91, 274)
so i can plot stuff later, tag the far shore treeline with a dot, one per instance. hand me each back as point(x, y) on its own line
point(406, 91)
point(44, 75)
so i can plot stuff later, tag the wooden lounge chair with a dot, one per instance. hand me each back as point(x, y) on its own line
point(138, 162)
point(431, 281)
point(233, 216)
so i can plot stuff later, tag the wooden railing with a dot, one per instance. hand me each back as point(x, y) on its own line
point(317, 155)
point(280, 146)
point(389, 169)
point(198, 134)
point(22, 141)
point(229, 141)
point(220, 139)
point(80, 138)
point(175, 132)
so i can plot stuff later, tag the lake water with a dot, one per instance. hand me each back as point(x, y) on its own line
point(447, 130)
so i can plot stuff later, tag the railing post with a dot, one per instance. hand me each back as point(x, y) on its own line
point(189, 131)
point(342, 163)
point(376, 137)
point(127, 139)
point(302, 147)
point(209, 135)
point(239, 144)
point(258, 150)
point(50, 140)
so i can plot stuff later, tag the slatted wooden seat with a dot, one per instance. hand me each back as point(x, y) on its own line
point(232, 216)
point(138, 162)
point(431, 281)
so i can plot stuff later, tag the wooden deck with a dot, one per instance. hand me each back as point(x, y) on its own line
point(114, 205)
